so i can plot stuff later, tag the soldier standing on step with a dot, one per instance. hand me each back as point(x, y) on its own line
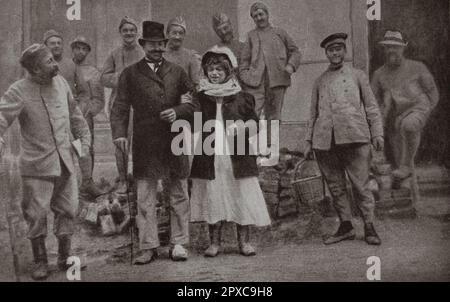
point(407, 93)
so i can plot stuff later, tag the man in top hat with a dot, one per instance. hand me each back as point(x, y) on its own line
point(50, 121)
point(89, 94)
point(123, 56)
point(345, 120)
point(54, 41)
point(268, 60)
point(407, 94)
point(188, 59)
point(153, 87)
point(224, 30)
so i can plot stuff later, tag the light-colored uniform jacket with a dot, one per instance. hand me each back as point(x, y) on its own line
point(343, 104)
point(411, 88)
point(272, 49)
point(189, 60)
point(50, 121)
point(117, 61)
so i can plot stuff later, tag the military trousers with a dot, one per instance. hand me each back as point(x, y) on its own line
point(352, 160)
point(42, 194)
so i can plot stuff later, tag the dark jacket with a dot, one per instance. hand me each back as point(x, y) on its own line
point(237, 107)
point(149, 94)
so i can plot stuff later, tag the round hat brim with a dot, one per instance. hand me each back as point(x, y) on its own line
point(72, 45)
point(141, 41)
point(388, 42)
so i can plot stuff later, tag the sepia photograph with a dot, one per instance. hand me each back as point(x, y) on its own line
point(220, 141)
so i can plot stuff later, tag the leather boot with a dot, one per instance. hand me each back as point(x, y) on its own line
point(215, 234)
point(345, 232)
point(89, 187)
point(243, 235)
point(370, 235)
point(40, 272)
point(64, 245)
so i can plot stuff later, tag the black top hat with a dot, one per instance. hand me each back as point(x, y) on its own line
point(153, 32)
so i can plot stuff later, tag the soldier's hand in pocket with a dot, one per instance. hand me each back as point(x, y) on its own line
point(378, 143)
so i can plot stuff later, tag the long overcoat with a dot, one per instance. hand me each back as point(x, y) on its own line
point(150, 93)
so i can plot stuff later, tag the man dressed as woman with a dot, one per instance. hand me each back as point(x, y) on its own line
point(225, 184)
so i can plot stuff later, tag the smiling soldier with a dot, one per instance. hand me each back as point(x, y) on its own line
point(49, 120)
point(345, 119)
point(89, 94)
point(123, 56)
point(268, 60)
point(188, 59)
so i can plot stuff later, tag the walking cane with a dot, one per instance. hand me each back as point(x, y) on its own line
point(12, 235)
point(125, 161)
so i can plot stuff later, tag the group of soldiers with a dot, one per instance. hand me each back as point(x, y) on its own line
point(55, 110)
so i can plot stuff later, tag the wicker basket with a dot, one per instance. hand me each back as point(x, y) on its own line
point(308, 190)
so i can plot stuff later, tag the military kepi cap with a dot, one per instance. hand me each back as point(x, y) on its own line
point(338, 38)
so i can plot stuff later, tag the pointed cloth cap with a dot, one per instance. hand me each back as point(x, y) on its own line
point(219, 19)
point(127, 20)
point(51, 33)
point(177, 21)
point(258, 5)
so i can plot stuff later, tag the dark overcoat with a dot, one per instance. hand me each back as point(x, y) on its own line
point(238, 107)
point(150, 93)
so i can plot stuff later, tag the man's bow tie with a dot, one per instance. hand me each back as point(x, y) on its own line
point(156, 63)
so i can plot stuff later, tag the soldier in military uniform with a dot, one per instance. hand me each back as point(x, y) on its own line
point(90, 96)
point(407, 93)
point(50, 121)
point(345, 120)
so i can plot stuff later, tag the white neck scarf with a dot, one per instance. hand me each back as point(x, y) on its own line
point(230, 87)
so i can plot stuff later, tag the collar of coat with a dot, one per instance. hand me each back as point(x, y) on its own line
point(163, 69)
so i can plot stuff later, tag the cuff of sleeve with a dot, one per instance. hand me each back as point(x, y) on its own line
point(377, 133)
